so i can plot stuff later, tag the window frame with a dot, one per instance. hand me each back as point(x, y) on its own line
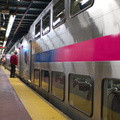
point(63, 20)
point(38, 78)
point(72, 16)
point(102, 91)
point(92, 101)
point(62, 99)
point(49, 11)
point(39, 29)
point(48, 80)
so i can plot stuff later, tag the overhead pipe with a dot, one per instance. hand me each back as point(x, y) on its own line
point(31, 2)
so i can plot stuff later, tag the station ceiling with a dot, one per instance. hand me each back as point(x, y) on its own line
point(26, 12)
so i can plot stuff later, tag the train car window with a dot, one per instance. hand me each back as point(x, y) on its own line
point(111, 99)
point(37, 77)
point(58, 84)
point(81, 92)
point(78, 6)
point(37, 30)
point(46, 23)
point(58, 13)
point(45, 77)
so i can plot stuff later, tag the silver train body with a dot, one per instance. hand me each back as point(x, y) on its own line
point(70, 56)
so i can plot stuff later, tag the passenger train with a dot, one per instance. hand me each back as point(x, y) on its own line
point(71, 57)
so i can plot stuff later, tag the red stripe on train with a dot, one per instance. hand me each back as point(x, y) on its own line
point(105, 48)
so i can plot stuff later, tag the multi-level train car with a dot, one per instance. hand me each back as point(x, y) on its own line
point(71, 56)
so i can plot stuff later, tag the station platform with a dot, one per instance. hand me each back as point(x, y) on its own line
point(19, 102)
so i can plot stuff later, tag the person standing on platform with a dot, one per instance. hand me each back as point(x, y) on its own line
point(14, 62)
point(4, 61)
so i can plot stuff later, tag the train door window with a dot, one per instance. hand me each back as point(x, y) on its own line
point(37, 77)
point(58, 84)
point(45, 77)
point(111, 99)
point(37, 30)
point(46, 23)
point(81, 92)
point(58, 13)
point(78, 6)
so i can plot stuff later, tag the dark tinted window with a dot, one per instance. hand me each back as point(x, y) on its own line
point(58, 13)
point(45, 79)
point(79, 5)
point(46, 23)
point(111, 99)
point(37, 30)
point(81, 92)
point(37, 77)
point(58, 84)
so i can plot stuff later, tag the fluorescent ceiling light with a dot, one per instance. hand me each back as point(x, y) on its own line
point(2, 29)
point(3, 51)
point(4, 16)
point(4, 43)
point(10, 23)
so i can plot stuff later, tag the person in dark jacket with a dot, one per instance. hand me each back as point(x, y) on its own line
point(13, 62)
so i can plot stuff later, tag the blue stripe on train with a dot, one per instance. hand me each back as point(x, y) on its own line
point(47, 56)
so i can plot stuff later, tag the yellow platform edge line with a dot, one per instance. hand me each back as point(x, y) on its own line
point(37, 107)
